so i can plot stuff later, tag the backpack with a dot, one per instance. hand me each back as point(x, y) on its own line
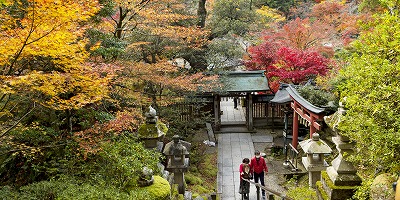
point(246, 171)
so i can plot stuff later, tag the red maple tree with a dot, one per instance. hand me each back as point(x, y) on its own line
point(285, 64)
point(296, 66)
point(294, 53)
point(263, 55)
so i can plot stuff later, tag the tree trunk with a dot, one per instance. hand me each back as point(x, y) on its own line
point(69, 119)
point(119, 23)
point(202, 13)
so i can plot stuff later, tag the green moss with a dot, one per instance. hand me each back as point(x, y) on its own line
point(200, 189)
point(159, 190)
point(175, 195)
point(332, 186)
point(302, 193)
point(322, 191)
point(193, 180)
point(150, 130)
point(201, 176)
point(209, 168)
point(195, 195)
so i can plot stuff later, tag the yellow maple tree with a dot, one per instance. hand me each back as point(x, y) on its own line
point(43, 56)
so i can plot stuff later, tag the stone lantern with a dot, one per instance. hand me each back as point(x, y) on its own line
point(177, 155)
point(315, 162)
point(153, 131)
point(342, 174)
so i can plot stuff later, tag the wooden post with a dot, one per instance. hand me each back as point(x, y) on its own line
point(247, 110)
point(295, 129)
point(250, 111)
point(217, 112)
point(312, 127)
point(273, 117)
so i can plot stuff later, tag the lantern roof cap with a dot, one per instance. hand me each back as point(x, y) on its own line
point(315, 145)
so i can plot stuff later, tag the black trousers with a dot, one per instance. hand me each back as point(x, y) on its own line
point(244, 187)
point(259, 177)
point(235, 102)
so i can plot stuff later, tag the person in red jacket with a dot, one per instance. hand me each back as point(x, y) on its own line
point(259, 168)
point(245, 173)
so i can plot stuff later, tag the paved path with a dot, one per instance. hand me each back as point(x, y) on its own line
point(232, 148)
point(229, 113)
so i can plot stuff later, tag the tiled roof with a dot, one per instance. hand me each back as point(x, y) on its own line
point(282, 96)
point(291, 89)
point(245, 81)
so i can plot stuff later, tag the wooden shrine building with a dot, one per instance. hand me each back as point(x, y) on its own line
point(243, 84)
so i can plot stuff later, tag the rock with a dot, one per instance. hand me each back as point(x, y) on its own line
point(381, 187)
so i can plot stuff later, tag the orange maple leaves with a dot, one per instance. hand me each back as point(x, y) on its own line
point(43, 55)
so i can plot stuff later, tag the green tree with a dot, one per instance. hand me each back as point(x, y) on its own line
point(231, 16)
point(283, 6)
point(222, 53)
point(370, 85)
point(390, 5)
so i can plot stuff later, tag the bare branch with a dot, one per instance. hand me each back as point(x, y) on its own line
point(13, 126)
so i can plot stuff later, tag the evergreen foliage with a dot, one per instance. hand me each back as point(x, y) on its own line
point(370, 89)
point(316, 96)
point(231, 16)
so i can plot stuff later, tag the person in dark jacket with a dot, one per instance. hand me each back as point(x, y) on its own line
point(259, 168)
point(235, 102)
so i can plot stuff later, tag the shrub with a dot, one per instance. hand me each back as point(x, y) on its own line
point(87, 191)
point(159, 190)
point(8, 193)
point(120, 163)
point(65, 189)
point(44, 189)
point(62, 189)
point(316, 97)
point(34, 154)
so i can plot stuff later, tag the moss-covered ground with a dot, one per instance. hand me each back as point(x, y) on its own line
point(201, 179)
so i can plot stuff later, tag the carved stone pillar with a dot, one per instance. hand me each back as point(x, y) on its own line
point(342, 174)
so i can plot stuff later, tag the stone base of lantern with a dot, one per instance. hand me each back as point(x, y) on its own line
point(328, 190)
point(314, 171)
point(180, 180)
point(313, 177)
point(343, 179)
